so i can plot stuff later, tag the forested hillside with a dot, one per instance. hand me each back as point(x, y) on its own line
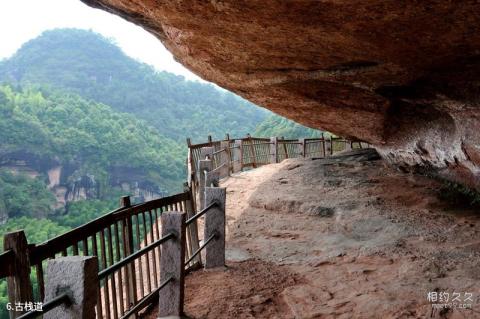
point(275, 125)
point(43, 130)
point(92, 66)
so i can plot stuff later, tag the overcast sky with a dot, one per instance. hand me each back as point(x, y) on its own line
point(22, 20)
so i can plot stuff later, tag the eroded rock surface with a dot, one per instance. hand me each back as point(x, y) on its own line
point(403, 75)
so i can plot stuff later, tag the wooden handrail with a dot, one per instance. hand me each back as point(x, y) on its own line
point(156, 203)
point(49, 248)
point(200, 145)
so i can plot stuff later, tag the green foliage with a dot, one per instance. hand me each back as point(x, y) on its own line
point(3, 299)
point(92, 66)
point(92, 136)
point(21, 195)
point(36, 230)
point(275, 125)
point(82, 212)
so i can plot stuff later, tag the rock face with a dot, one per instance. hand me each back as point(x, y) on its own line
point(401, 75)
point(69, 184)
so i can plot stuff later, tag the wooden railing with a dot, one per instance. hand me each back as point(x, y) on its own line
point(234, 155)
point(112, 238)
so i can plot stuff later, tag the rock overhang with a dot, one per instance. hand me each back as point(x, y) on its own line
point(402, 75)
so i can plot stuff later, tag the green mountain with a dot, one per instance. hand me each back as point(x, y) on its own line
point(93, 67)
point(275, 125)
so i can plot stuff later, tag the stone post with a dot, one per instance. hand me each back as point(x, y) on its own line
point(212, 179)
point(172, 261)
point(273, 150)
point(203, 165)
point(76, 276)
point(19, 286)
point(215, 225)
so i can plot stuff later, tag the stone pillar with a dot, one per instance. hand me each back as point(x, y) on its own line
point(273, 150)
point(172, 261)
point(203, 165)
point(215, 224)
point(78, 277)
point(212, 179)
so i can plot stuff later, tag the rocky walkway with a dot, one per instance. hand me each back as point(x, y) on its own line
point(345, 237)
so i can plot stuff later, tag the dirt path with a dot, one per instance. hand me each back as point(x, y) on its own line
point(340, 238)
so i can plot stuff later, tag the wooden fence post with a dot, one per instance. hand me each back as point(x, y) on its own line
point(215, 225)
point(125, 201)
point(127, 231)
point(228, 151)
point(203, 165)
point(18, 285)
point(273, 150)
point(192, 229)
point(76, 276)
point(190, 164)
point(210, 139)
point(172, 262)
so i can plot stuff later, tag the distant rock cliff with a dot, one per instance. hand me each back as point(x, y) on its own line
point(68, 185)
